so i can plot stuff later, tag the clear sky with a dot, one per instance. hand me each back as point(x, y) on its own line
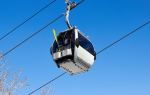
point(121, 70)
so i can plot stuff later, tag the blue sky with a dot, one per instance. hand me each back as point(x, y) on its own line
point(121, 70)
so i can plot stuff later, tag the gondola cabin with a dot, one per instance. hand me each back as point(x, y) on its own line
point(73, 51)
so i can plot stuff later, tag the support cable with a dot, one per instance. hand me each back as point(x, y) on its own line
point(49, 82)
point(122, 38)
point(29, 18)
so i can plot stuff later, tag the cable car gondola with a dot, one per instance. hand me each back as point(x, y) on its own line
point(72, 51)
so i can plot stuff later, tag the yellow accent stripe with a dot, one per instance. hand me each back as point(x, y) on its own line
point(55, 36)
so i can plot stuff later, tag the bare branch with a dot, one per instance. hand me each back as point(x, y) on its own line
point(45, 91)
point(10, 83)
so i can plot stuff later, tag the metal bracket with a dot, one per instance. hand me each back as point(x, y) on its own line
point(70, 5)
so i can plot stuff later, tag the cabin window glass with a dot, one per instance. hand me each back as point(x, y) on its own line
point(64, 40)
point(67, 37)
point(86, 44)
